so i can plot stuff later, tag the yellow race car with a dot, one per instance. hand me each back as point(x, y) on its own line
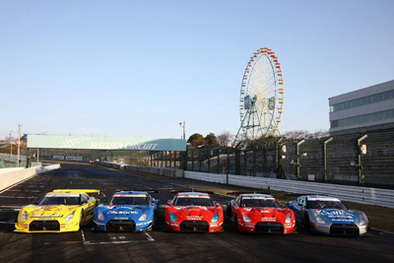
point(62, 210)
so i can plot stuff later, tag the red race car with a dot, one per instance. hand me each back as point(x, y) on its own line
point(260, 213)
point(193, 212)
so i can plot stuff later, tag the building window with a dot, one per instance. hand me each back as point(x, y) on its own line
point(366, 118)
point(362, 101)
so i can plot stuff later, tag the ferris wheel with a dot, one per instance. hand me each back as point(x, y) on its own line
point(261, 96)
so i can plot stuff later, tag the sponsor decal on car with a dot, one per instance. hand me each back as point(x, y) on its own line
point(45, 216)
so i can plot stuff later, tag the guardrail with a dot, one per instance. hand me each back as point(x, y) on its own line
point(356, 194)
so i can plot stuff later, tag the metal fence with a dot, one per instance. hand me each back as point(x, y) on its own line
point(359, 159)
point(10, 161)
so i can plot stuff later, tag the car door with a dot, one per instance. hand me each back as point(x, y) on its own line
point(299, 208)
point(88, 205)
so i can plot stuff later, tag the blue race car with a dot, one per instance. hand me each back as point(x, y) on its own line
point(127, 211)
point(328, 215)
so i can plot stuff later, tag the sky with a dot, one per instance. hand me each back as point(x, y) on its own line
point(139, 68)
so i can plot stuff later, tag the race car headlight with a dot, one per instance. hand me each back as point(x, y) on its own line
point(215, 217)
point(246, 218)
point(173, 216)
point(362, 219)
point(288, 218)
point(25, 216)
point(143, 217)
point(69, 217)
point(100, 216)
point(319, 219)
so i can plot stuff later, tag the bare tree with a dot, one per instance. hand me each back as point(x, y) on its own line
point(303, 134)
point(225, 138)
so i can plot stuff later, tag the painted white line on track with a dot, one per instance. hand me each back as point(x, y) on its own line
point(149, 238)
point(25, 197)
point(16, 190)
point(89, 243)
point(7, 222)
point(10, 207)
point(83, 236)
point(9, 210)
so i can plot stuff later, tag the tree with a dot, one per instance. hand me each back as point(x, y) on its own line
point(211, 140)
point(303, 134)
point(196, 140)
point(225, 138)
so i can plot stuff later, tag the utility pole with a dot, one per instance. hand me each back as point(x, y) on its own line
point(183, 125)
point(10, 138)
point(19, 144)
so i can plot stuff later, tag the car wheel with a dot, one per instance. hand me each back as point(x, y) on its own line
point(82, 219)
point(306, 224)
point(236, 223)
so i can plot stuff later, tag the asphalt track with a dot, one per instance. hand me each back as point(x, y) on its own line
point(158, 245)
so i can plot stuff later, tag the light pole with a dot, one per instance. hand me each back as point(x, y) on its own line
point(19, 143)
point(183, 125)
point(299, 158)
point(325, 158)
point(360, 152)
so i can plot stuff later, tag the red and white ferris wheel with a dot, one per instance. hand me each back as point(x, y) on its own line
point(261, 96)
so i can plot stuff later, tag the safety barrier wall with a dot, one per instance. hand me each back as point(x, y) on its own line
point(9, 177)
point(356, 194)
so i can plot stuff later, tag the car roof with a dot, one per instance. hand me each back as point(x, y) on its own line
point(321, 198)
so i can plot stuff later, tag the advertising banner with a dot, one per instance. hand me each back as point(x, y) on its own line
point(104, 143)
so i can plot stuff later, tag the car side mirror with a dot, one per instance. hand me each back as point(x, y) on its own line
point(217, 205)
point(35, 203)
point(169, 203)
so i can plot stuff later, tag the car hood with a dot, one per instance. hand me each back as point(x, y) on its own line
point(195, 212)
point(337, 216)
point(264, 213)
point(50, 211)
point(123, 210)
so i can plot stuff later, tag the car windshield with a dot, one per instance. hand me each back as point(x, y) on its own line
point(57, 200)
point(119, 200)
point(186, 201)
point(259, 203)
point(321, 204)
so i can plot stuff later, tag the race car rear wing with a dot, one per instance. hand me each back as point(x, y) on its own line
point(246, 192)
point(133, 190)
point(188, 191)
point(86, 191)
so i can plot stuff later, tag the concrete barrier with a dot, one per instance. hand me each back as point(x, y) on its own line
point(47, 167)
point(14, 176)
point(11, 176)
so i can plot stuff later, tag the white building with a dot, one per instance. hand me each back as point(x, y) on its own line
point(363, 110)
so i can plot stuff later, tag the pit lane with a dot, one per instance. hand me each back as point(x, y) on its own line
point(158, 245)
